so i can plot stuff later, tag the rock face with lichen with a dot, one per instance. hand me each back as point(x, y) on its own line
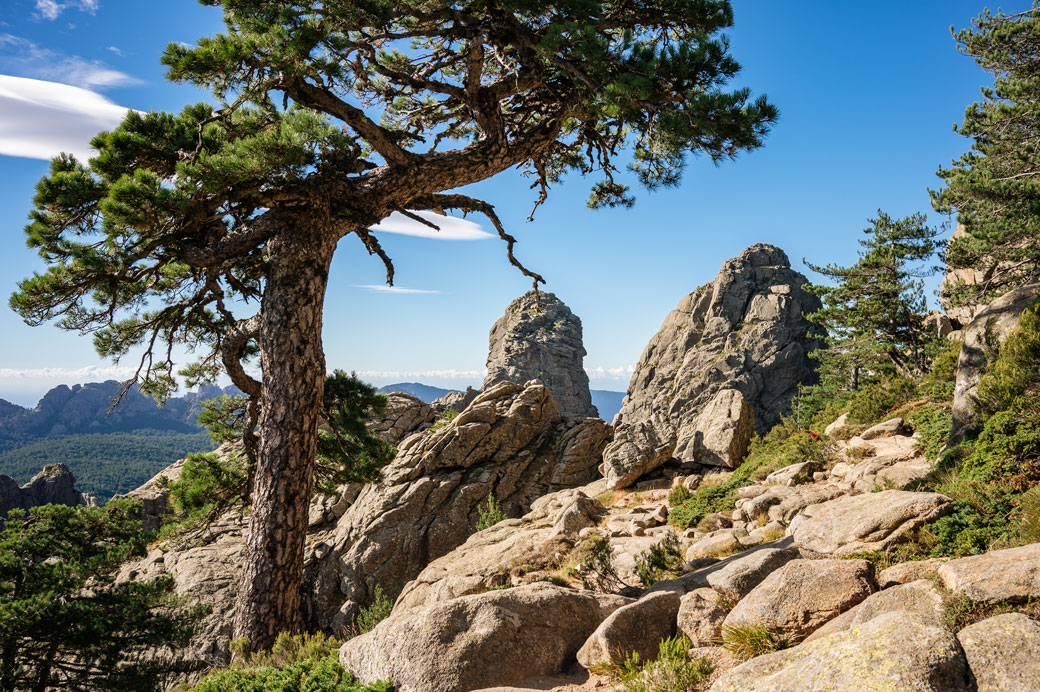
point(747, 332)
point(539, 338)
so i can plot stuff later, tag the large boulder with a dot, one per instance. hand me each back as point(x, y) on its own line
point(804, 594)
point(721, 433)
point(700, 617)
point(1012, 574)
point(405, 414)
point(499, 638)
point(891, 652)
point(990, 327)
point(1002, 652)
point(746, 331)
point(861, 523)
point(55, 485)
point(920, 598)
point(637, 627)
point(510, 442)
point(746, 571)
point(540, 338)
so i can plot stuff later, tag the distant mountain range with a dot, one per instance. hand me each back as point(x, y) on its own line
point(108, 451)
point(607, 402)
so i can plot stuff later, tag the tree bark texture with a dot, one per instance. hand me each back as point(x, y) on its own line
point(293, 364)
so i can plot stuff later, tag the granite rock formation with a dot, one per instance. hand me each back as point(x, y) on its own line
point(54, 485)
point(745, 331)
point(539, 338)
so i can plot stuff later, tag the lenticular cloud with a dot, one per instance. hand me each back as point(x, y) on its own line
point(40, 119)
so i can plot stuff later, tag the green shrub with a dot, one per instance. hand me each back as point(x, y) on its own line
point(1027, 524)
point(871, 403)
point(933, 424)
point(594, 557)
point(310, 675)
point(1016, 369)
point(751, 641)
point(490, 513)
point(661, 560)
point(938, 383)
point(374, 613)
point(678, 495)
point(969, 530)
point(446, 417)
point(674, 670)
point(287, 650)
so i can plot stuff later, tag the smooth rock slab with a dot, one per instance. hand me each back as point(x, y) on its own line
point(1001, 575)
point(741, 575)
point(499, 638)
point(638, 627)
point(891, 653)
point(906, 572)
point(804, 594)
point(861, 523)
point(1003, 653)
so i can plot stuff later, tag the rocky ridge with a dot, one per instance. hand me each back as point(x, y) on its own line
point(736, 348)
point(54, 485)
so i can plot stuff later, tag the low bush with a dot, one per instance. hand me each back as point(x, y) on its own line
point(933, 424)
point(678, 495)
point(594, 560)
point(871, 403)
point(662, 560)
point(310, 675)
point(490, 513)
point(375, 612)
point(674, 670)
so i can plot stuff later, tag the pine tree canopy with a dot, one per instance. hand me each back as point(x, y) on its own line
point(995, 187)
point(331, 116)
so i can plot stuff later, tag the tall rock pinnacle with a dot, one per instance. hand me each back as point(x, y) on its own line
point(541, 339)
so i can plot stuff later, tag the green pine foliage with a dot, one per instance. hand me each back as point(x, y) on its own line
point(375, 612)
point(873, 313)
point(309, 675)
point(490, 513)
point(64, 621)
point(675, 669)
point(993, 188)
point(662, 560)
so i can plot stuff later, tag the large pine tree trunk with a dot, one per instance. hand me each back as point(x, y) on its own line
point(293, 364)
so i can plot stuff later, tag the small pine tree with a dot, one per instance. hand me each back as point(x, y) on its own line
point(65, 623)
point(874, 312)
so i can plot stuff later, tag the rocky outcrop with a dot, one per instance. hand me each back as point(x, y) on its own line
point(982, 335)
point(54, 485)
point(499, 638)
point(540, 338)
point(891, 652)
point(746, 331)
point(510, 442)
point(861, 523)
point(404, 414)
point(920, 598)
point(1002, 652)
point(507, 554)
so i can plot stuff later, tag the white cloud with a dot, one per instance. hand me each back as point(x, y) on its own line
point(451, 227)
point(603, 373)
point(115, 50)
point(381, 288)
point(88, 373)
point(27, 59)
point(39, 119)
point(52, 9)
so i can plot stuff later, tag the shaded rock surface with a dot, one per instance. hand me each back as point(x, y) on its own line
point(1003, 652)
point(499, 638)
point(637, 627)
point(54, 485)
point(744, 331)
point(891, 652)
point(540, 338)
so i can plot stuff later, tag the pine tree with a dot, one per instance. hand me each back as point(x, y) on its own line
point(64, 621)
point(331, 117)
point(873, 314)
point(995, 187)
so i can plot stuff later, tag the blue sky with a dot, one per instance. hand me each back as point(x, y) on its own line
point(868, 93)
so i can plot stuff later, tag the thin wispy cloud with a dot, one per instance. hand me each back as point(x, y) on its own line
point(451, 227)
point(604, 373)
point(88, 373)
point(113, 49)
point(382, 288)
point(449, 374)
point(40, 119)
point(24, 58)
point(52, 9)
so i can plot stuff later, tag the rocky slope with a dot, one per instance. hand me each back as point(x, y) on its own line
point(853, 626)
point(539, 337)
point(739, 346)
